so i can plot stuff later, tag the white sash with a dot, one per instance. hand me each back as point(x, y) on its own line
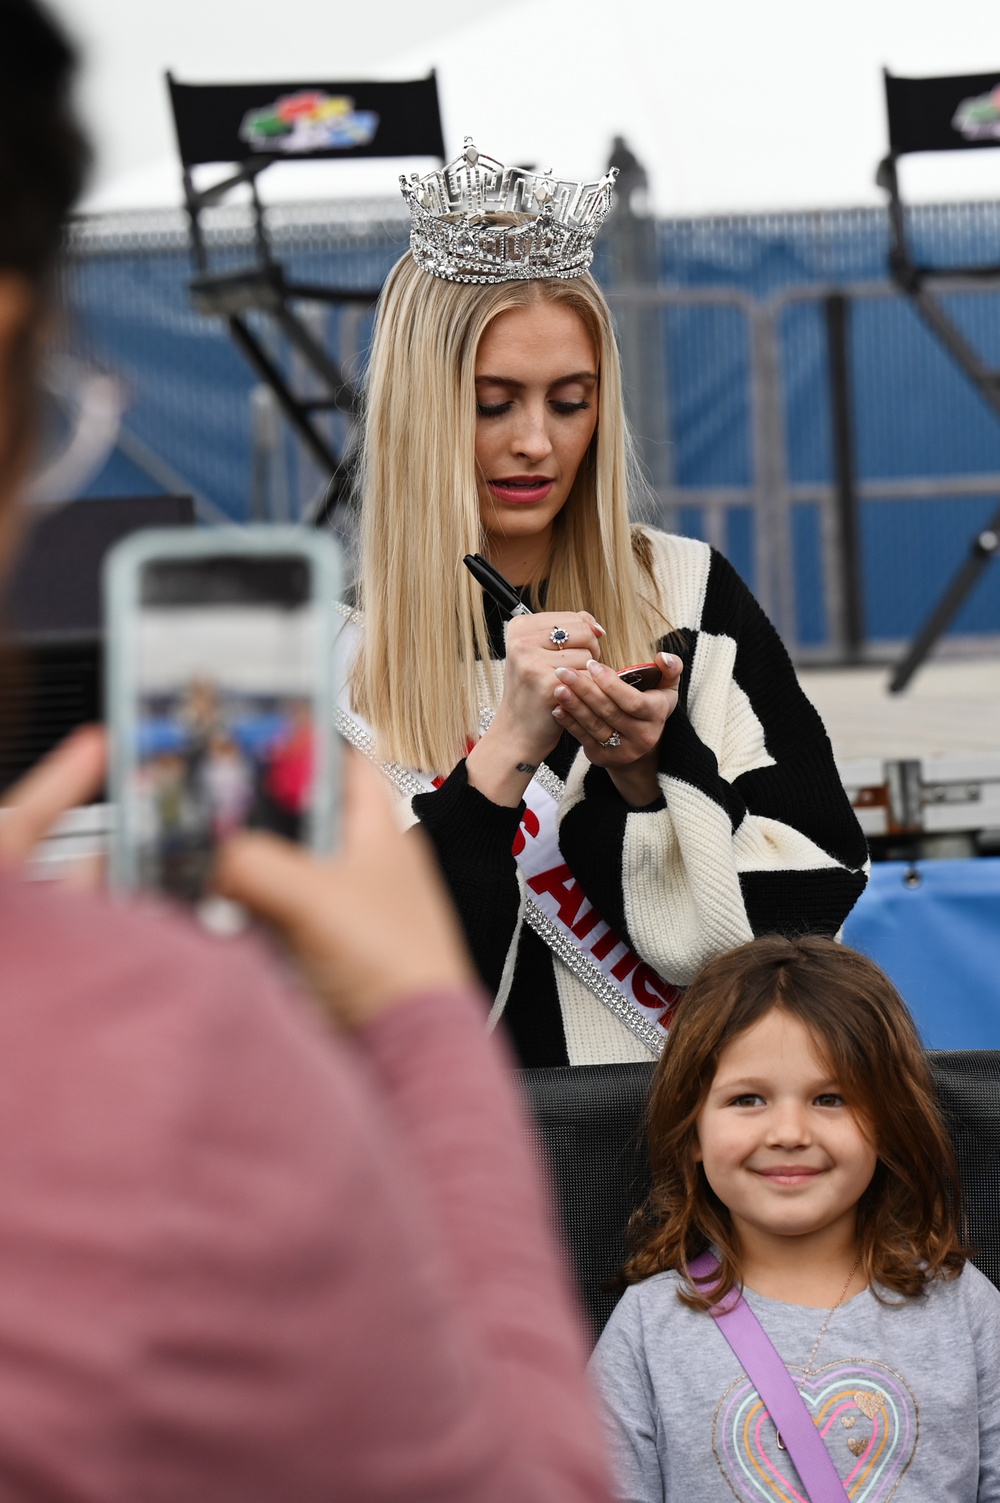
point(555, 907)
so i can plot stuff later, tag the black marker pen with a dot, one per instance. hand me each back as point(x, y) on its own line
point(495, 585)
point(641, 676)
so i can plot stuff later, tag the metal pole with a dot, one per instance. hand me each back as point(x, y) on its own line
point(269, 481)
point(982, 376)
point(773, 542)
point(983, 549)
point(269, 370)
point(312, 479)
point(641, 326)
point(851, 624)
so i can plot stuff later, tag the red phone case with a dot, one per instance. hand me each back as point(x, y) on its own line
point(642, 676)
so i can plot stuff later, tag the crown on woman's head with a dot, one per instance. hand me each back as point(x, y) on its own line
point(458, 233)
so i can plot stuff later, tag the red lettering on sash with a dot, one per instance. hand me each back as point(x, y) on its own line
point(602, 948)
point(652, 991)
point(529, 823)
point(621, 968)
point(568, 892)
point(583, 926)
point(649, 989)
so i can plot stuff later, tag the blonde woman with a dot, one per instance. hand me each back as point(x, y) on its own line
point(688, 818)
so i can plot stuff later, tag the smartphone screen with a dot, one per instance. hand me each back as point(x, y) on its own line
point(228, 722)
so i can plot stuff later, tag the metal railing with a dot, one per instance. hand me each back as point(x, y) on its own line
point(770, 492)
point(191, 427)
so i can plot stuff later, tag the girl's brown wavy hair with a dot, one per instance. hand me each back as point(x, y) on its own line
point(910, 1224)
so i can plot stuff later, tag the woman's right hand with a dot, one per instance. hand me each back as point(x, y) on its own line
point(369, 926)
point(523, 731)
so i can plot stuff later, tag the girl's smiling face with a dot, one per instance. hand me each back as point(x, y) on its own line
point(536, 396)
point(779, 1144)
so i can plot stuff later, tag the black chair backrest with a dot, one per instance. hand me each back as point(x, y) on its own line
point(968, 1082)
point(591, 1140)
point(943, 114)
point(54, 588)
point(51, 609)
point(267, 122)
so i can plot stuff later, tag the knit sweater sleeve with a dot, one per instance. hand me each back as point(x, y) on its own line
point(473, 839)
point(755, 833)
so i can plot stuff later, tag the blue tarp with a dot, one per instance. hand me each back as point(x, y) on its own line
point(914, 413)
point(934, 927)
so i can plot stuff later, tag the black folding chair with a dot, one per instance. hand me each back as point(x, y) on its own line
point(591, 1143)
point(251, 127)
point(942, 114)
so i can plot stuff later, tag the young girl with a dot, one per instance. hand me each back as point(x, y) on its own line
point(793, 1130)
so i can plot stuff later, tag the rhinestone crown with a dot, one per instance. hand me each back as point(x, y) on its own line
point(454, 233)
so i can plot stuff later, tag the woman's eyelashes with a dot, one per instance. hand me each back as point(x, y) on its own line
point(497, 409)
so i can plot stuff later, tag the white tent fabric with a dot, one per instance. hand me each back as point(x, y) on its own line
point(732, 106)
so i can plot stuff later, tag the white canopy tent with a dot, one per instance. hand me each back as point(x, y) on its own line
point(255, 650)
point(732, 107)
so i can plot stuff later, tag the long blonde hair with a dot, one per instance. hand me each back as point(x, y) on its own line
point(415, 677)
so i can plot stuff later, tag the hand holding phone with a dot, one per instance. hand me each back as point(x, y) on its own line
point(617, 729)
point(642, 676)
point(61, 785)
point(336, 914)
point(221, 648)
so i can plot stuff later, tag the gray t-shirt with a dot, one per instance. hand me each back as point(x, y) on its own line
point(906, 1395)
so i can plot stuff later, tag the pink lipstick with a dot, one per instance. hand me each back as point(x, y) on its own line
point(519, 489)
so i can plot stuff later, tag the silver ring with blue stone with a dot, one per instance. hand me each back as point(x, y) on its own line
point(560, 636)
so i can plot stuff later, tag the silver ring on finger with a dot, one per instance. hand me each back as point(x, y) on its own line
point(613, 741)
point(560, 636)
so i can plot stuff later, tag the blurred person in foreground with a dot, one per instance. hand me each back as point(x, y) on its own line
point(242, 1259)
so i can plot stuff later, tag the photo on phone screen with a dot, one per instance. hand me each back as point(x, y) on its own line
point(224, 713)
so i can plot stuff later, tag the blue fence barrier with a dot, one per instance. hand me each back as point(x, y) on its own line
point(914, 414)
point(934, 927)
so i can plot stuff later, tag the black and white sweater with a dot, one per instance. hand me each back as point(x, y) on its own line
point(753, 833)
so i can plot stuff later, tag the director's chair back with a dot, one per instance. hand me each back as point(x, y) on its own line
point(591, 1140)
point(268, 122)
point(251, 127)
point(961, 113)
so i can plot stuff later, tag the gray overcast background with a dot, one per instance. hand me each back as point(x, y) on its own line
point(733, 104)
point(127, 45)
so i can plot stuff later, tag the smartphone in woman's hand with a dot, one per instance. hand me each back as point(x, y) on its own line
point(642, 676)
point(220, 688)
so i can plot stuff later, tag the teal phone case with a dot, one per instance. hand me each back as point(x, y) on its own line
point(122, 575)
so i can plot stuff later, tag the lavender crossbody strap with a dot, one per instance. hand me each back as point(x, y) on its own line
point(774, 1384)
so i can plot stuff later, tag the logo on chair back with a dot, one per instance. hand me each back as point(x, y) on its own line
point(308, 121)
point(978, 118)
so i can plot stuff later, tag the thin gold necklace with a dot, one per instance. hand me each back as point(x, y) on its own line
point(831, 1313)
point(825, 1326)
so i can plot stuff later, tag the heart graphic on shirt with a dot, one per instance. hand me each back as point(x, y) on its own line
point(870, 1403)
point(875, 1400)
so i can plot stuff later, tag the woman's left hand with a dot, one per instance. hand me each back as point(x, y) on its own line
point(67, 777)
point(619, 727)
